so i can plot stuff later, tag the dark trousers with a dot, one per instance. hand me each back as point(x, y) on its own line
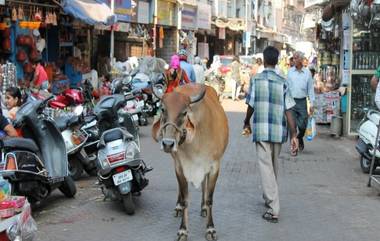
point(300, 116)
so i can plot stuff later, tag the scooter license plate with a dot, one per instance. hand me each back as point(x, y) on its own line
point(122, 177)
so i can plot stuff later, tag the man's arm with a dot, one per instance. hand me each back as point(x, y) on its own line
point(293, 131)
point(10, 130)
point(310, 92)
point(291, 123)
point(248, 116)
point(377, 96)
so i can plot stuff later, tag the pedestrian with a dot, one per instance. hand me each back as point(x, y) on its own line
point(257, 67)
point(12, 101)
point(236, 80)
point(188, 68)
point(301, 85)
point(175, 75)
point(375, 85)
point(269, 101)
point(72, 71)
point(40, 77)
point(291, 62)
point(199, 71)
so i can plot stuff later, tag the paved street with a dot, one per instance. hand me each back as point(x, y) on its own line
point(323, 197)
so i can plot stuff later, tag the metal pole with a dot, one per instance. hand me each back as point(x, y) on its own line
point(112, 47)
point(246, 27)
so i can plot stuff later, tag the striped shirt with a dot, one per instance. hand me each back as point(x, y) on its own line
point(269, 96)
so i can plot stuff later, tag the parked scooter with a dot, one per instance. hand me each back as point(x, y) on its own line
point(132, 88)
point(121, 171)
point(37, 164)
point(367, 137)
point(75, 138)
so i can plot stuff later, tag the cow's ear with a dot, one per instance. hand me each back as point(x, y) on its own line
point(156, 129)
point(190, 129)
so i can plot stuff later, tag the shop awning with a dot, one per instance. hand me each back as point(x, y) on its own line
point(89, 11)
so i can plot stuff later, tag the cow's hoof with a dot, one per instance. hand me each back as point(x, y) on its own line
point(182, 235)
point(204, 212)
point(178, 211)
point(211, 234)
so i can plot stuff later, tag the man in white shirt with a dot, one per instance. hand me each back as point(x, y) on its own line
point(301, 85)
point(199, 71)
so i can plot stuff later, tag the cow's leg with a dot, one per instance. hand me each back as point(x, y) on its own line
point(179, 205)
point(204, 197)
point(212, 178)
point(184, 193)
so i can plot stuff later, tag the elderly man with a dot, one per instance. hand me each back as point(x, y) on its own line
point(301, 86)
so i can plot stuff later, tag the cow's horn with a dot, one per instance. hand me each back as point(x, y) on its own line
point(198, 97)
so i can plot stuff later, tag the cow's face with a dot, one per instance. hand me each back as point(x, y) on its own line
point(173, 121)
point(176, 124)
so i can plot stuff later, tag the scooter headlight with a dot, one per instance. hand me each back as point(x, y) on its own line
point(132, 150)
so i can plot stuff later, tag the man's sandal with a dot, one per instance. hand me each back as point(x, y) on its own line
point(270, 217)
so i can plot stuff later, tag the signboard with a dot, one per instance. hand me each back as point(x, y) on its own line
point(221, 8)
point(189, 17)
point(125, 10)
point(165, 13)
point(204, 16)
point(310, 3)
point(143, 12)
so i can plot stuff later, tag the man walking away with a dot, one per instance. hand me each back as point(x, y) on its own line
point(301, 86)
point(269, 101)
point(186, 66)
point(199, 71)
point(235, 75)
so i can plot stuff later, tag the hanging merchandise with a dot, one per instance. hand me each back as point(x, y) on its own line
point(161, 37)
point(14, 14)
point(7, 76)
point(20, 13)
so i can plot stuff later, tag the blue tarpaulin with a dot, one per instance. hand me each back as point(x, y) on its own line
point(90, 11)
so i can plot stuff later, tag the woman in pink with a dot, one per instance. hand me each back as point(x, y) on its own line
point(40, 80)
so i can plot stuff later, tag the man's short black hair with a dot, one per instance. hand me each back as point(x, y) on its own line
point(271, 55)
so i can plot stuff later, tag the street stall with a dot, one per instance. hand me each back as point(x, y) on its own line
point(16, 221)
point(363, 59)
point(327, 78)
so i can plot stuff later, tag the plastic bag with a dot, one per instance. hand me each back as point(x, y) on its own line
point(311, 130)
point(25, 228)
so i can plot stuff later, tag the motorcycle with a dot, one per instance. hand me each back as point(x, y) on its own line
point(75, 138)
point(121, 170)
point(367, 140)
point(134, 99)
point(36, 164)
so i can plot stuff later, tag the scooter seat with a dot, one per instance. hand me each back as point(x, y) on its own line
point(21, 143)
point(113, 135)
point(63, 122)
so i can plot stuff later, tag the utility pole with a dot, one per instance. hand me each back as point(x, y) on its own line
point(246, 28)
point(112, 47)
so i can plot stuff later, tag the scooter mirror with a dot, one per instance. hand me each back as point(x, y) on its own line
point(78, 110)
point(159, 90)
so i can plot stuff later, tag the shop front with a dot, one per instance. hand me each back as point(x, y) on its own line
point(363, 54)
point(167, 39)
